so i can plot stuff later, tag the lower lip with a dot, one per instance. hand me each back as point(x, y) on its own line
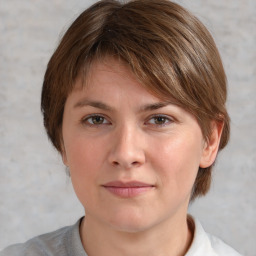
point(127, 192)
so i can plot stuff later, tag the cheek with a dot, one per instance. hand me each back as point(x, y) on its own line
point(83, 153)
point(85, 162)
point(178, 161)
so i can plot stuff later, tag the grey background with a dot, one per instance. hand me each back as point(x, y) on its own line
point(36, 196)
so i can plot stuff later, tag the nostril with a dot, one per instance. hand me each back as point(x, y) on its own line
point(115, 163)
point(128, 166)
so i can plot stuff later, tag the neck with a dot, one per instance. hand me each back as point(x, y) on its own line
point(168, 238)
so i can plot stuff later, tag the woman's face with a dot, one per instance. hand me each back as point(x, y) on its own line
point(133, 158)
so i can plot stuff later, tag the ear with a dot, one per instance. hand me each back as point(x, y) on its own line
point(211, 146)
point(63, 153)
point(64, 158)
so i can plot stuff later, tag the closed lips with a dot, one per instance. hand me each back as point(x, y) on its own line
point(131, 184)
point(127, 189)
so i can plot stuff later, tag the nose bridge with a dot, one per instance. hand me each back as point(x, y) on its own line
point(127, 148)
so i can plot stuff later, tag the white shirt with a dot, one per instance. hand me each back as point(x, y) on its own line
point(66, 242)
point(204, 244)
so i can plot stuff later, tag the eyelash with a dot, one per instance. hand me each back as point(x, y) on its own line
point(85, 120)
point(166, 120)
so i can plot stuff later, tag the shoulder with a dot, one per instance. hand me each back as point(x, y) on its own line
point(206, 244)
point(221, 248)
point(59, 242)
point(47, 244)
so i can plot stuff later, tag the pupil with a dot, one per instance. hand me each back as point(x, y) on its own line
point(160, 120)
point(97, 120)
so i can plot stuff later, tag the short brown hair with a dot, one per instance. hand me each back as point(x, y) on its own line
point(167, 48)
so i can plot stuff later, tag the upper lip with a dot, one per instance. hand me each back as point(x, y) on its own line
point(130, 184)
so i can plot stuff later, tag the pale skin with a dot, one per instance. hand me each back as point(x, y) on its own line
point(114, 130)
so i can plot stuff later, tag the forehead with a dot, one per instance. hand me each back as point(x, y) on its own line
point(111, 78)
point(110, 70)
point(103, 74)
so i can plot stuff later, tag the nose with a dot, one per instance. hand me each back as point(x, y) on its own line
point(127, 148)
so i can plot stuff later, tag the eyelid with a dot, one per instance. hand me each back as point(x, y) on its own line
point(167, 117)
point(85, 119)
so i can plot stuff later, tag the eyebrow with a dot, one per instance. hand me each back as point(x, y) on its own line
point(95, 104)
point(155, 106)
point(103, 106)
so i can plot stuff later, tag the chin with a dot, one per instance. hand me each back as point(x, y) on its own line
point(131, 222)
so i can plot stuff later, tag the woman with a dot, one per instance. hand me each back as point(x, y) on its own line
point(134, 100)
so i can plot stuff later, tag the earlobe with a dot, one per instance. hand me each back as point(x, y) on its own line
point(64, 158)
point(211, 146)
point(63, 154)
